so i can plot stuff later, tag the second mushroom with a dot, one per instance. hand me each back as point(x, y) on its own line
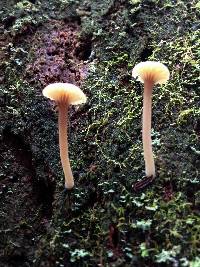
point(64, 94)
point(149, 73)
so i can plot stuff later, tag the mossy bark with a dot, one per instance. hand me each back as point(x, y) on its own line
point(102, 221)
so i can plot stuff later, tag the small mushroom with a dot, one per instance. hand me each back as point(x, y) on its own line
point(149, 73)
point(64, 94)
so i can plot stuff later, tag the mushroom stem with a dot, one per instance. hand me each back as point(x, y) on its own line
point(63, 143)
point(146, 130)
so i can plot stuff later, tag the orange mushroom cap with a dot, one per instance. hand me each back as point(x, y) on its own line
point(153, 71)
point(64, 93)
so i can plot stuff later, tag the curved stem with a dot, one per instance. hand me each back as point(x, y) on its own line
point(63, 143)
point(146, 130)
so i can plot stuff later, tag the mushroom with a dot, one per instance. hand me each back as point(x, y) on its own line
point(149, 73)
point(64, 94)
